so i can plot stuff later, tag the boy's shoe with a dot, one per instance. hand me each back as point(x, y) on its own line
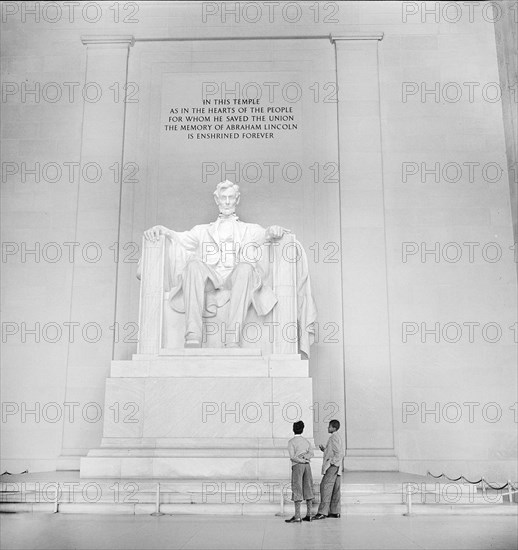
point(307, 518)
point(333, 516)
point(293, 520)
point(319, 516)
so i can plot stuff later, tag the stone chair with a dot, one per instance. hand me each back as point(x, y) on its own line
point(162, 328)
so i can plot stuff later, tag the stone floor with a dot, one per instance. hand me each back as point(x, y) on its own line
point(348, 477)
point(71, 531)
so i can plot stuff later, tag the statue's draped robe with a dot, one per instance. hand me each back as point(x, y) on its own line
point(203, 242)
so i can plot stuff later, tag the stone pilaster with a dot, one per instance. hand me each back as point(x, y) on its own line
point(97, 226)
point(368, 389)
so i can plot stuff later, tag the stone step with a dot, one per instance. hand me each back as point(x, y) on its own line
point(189, 365)
point(208, 352)
point(229, 491)
point(254, 509)
point(374, 463)
point(362, 494)
point(416, 488)
point(190, 453)
point(228, 485)
point(114, 496)
point(231, 486)
point(505, 509)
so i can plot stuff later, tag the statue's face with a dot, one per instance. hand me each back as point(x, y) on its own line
point(227, 200)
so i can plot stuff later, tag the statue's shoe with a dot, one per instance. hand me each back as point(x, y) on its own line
point(192, 344)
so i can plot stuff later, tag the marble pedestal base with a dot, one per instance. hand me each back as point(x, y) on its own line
point(202, 413)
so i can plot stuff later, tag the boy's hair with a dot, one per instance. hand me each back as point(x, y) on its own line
point(335, 424)
point(298, 427)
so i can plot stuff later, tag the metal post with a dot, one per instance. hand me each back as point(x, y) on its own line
point(157, 511)
point(281, 501)
point(56, 500)
point(408, 500)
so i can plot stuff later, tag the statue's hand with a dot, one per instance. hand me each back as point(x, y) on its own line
point(154, 233)
point(276, 232)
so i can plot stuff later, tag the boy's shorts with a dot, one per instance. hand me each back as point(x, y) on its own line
point(301, 482)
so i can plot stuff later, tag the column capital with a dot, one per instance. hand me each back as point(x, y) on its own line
point(108, 40)
point(356, 36)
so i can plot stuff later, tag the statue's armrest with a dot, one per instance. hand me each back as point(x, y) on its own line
point(151, 272)
point(283, 254)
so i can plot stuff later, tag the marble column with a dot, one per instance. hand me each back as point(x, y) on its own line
point(368, 391)
point(97, 227)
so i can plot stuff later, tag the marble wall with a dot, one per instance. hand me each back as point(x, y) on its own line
point(506, 31)
point(425, 292)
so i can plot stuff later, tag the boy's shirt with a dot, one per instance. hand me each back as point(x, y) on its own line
point(333, 453)
point(298, 446)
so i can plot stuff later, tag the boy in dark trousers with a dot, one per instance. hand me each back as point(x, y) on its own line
point(301, 479)
point(332, 472)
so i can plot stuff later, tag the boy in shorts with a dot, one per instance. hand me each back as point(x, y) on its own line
point(301, 479)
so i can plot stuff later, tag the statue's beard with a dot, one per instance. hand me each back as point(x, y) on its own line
point(227, 211)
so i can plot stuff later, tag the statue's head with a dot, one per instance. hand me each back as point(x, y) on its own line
point(227, 197)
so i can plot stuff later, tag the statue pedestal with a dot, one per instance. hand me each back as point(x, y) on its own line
point(206, 413)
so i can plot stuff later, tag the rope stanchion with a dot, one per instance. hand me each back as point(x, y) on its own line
point(157, 511)
point(456, 479)
point(492, 498)
point(496, 488)
point(56, 500)
point(408, 500)
point(484, 488)
point(481, 481)
point(6, 473)
point(280, 513)
point(282, 502)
